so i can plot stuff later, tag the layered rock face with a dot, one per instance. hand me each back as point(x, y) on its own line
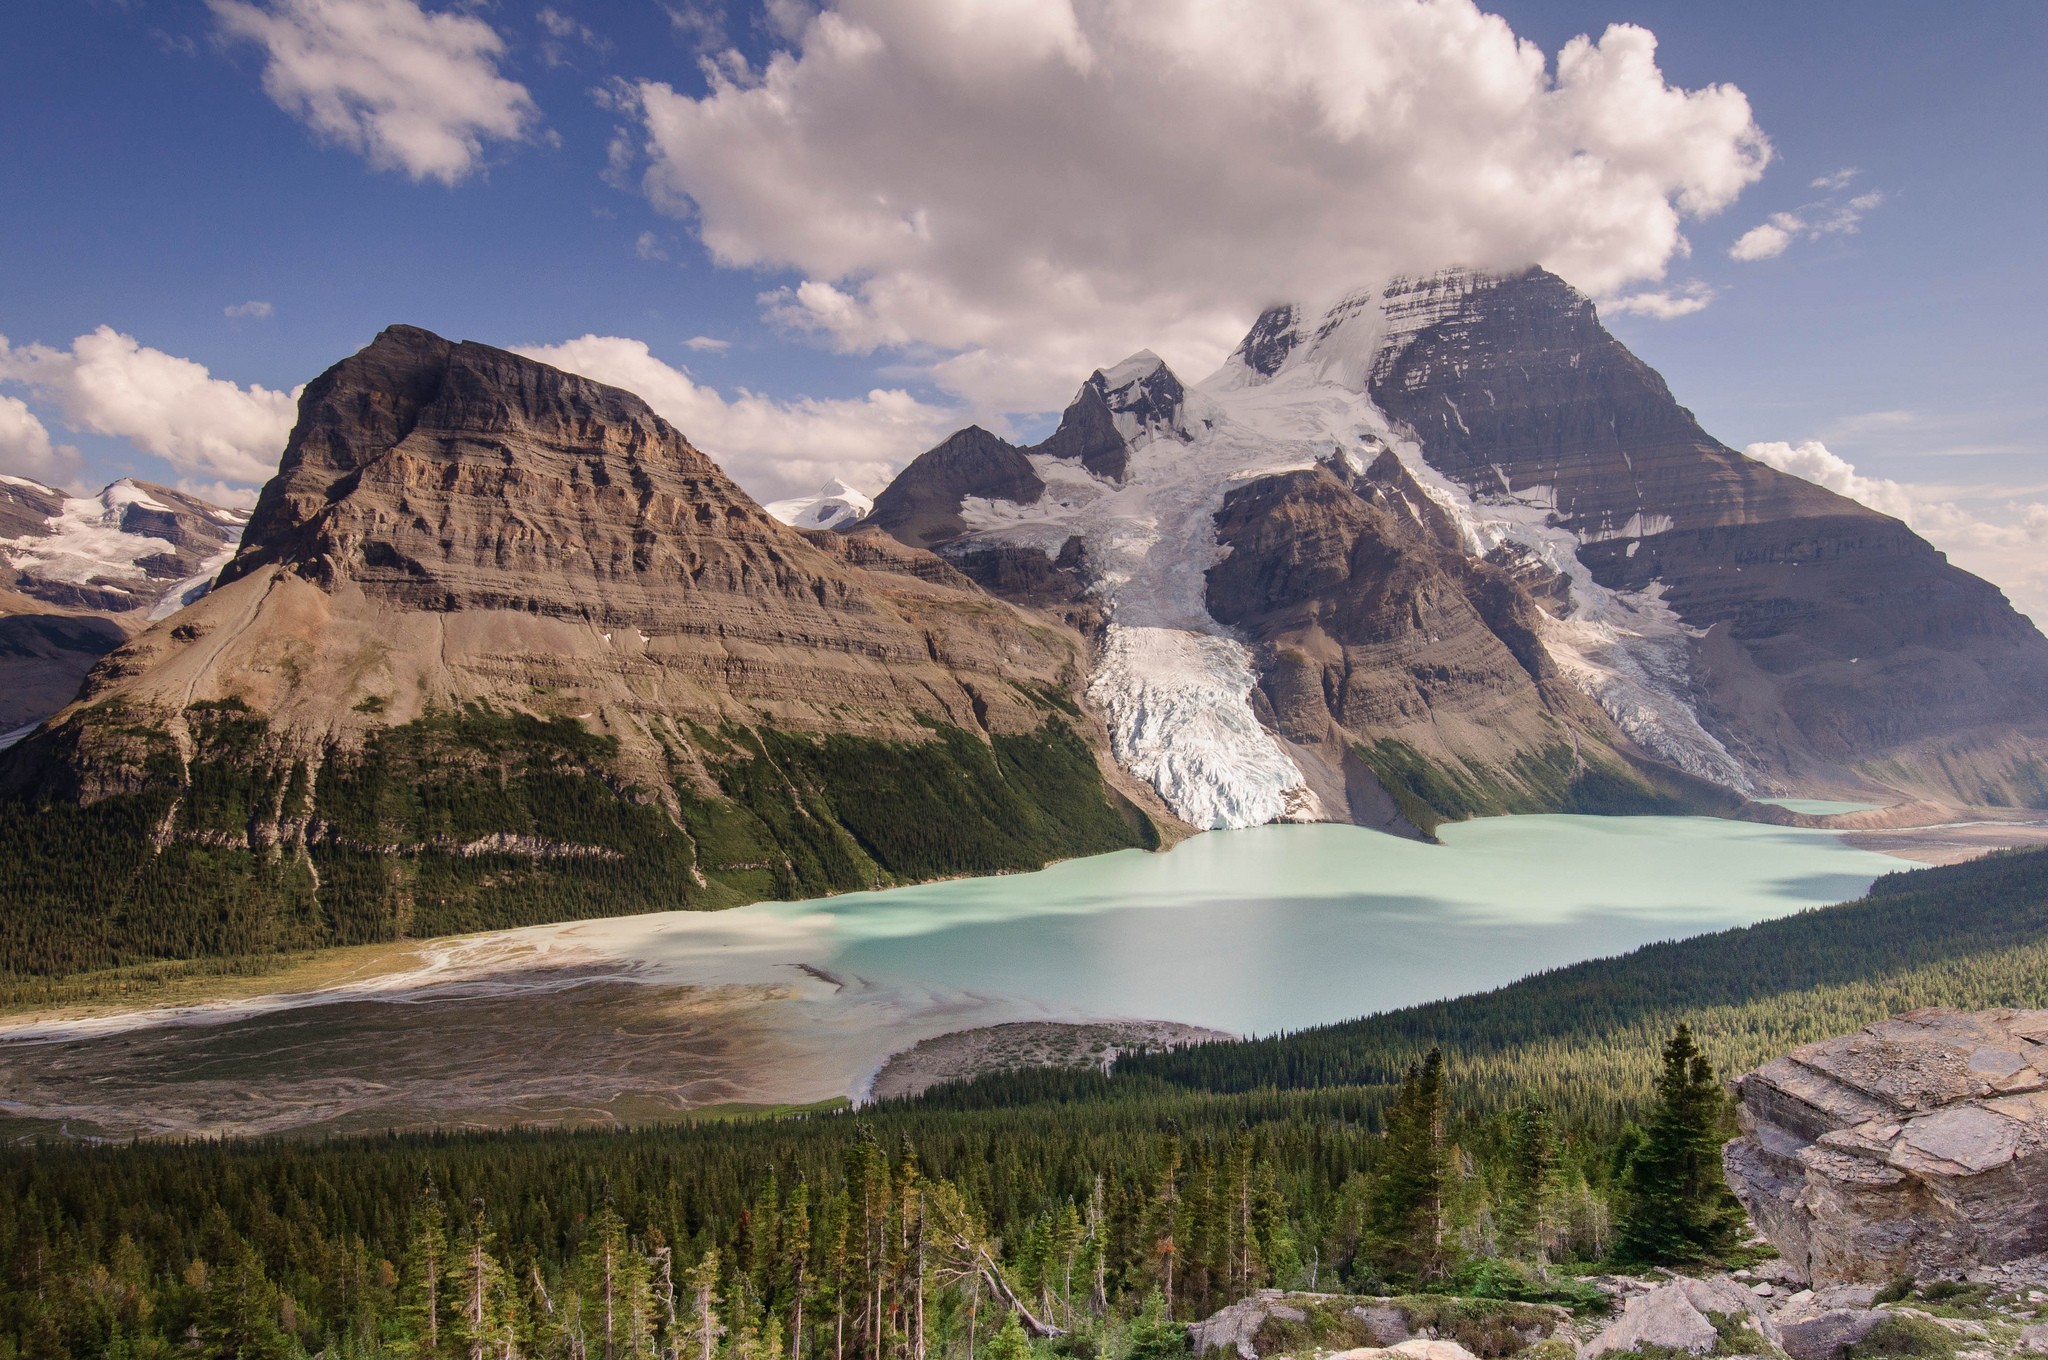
point(500, 645)
point(79, 575)
point(1838, 645)
point(1917, 1146)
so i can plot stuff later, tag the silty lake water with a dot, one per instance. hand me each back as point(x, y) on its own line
point(1248, 931)
point(1285, 926)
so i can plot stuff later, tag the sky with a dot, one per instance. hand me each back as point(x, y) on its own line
point(820, 240)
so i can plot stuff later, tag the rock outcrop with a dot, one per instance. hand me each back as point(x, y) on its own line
point(1917, 1146)
point(1695, 1316)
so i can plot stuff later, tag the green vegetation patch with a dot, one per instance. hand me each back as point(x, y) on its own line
point(1430, 793)
point(129, 852)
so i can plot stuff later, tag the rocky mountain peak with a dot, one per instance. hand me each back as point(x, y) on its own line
point(922, 506)
point(1116, 408)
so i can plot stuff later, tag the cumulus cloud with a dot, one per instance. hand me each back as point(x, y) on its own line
point(1662, 304)
point(2004, 541)
point(408, 89)
point(707, 344)
point(772, 448)
point(26, 449)
point(648, 247)
point(252, 310)
point(108, 383)
point(1827, 217)
point(1030, 190)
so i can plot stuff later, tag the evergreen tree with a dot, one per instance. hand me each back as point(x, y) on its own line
point(704, 1326)
point(480, 1322)
point(1676, 1207)
point(426, 1261)
point(239, 1319)
point(1405, 1219)
point(1529, 1191)
point(1010, 1343)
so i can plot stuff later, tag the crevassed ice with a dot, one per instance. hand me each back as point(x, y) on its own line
point(1180, 718)
point(1628, 651)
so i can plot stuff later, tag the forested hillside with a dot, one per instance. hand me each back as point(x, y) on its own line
point(896, 1231)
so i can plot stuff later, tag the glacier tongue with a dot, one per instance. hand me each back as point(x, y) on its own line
point(1180, 718)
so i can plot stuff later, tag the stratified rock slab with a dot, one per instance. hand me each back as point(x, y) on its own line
point(1911, 1147)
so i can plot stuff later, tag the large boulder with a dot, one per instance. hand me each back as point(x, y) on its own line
point(1912, 1147)
point(1696, 1316)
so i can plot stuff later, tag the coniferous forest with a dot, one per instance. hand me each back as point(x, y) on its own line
point(1470, 1157)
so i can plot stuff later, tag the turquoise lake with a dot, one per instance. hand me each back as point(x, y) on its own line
point(1281, 927)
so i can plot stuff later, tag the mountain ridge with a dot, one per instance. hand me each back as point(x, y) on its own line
point(1615, 544)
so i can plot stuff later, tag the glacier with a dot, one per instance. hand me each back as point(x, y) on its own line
point(1175, 685)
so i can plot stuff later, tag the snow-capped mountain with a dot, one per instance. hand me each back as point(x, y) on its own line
point(79, 574)
point(1444, 544)
point(835, 506)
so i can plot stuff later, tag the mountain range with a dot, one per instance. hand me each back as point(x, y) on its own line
point(79, 575)
point(498, 645)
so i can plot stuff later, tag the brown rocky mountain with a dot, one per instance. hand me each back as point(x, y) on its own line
point(1474, 542)
point(1839, 646)
point(79, 575)
point(498, 626)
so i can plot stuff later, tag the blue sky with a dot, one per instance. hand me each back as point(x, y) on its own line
point(167, 165)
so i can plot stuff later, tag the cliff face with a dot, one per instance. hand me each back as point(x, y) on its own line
point(1839, 646)
point(493, 614)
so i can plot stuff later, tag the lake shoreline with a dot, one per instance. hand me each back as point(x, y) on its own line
point(636, 1019)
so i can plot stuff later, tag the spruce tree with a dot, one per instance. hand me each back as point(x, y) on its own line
point(1676, 1207)
point(1405, 1218)
point(1529, 1189)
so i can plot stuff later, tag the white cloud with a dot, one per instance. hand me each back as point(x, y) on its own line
point(2005, 542)
point(707, 344)
point(1766, 240)
point(1769, 239)
point(1663, 304)
point(561, 31)
point(408, 89)
point(648, 247)
point(253, 310)
point(26, 449)
point(1836, 182)
point(772, 448)
point(1032, 188)
point(109, 384)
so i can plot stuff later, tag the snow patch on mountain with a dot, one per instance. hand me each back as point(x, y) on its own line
point(835, 506)
point(87, 543)
point(193, 587)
